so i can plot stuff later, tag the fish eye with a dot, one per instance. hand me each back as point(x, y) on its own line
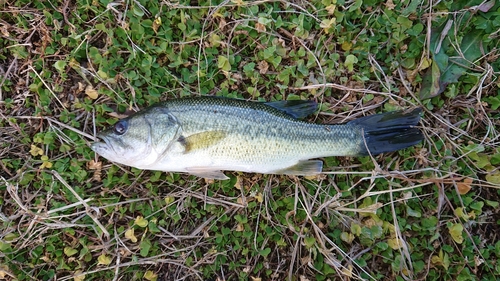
point(120, 127)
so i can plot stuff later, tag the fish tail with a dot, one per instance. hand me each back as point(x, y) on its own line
point(388, 132)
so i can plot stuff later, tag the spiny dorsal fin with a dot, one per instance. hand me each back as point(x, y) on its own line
point(201, 140)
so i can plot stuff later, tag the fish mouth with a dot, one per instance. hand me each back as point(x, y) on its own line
point(101, 146)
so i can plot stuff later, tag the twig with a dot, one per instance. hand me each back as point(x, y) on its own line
point(84, 203)
point(47, 86)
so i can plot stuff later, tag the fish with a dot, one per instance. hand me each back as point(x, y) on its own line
point(205, 136)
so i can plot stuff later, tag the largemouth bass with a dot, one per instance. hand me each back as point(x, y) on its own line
point(204, 136)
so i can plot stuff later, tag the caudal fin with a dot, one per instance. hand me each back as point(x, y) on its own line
point(390, 131)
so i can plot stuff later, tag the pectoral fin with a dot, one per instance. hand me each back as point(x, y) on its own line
point(303, 168)
point(201, 140)
point(207, 173)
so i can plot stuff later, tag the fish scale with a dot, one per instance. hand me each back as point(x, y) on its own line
point(206, 135)
point(263, 129)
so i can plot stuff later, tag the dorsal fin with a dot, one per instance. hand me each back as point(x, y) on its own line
point(295, 108)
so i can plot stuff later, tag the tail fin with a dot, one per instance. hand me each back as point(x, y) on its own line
point(388, 132)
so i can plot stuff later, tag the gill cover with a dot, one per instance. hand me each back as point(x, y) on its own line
point(164, 129)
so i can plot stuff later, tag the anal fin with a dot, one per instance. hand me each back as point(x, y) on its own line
point(303, 168)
